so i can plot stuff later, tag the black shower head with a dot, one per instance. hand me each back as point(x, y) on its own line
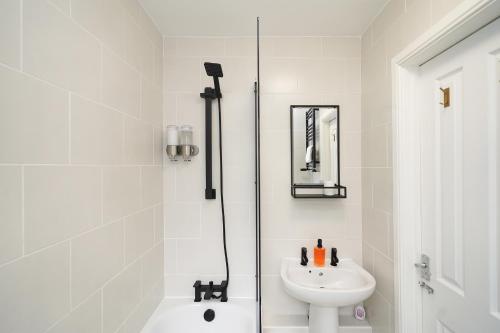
point(213, 69)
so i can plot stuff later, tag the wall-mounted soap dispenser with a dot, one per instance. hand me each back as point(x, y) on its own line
point(180, 143)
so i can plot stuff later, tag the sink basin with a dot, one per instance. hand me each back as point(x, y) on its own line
point(326, 289)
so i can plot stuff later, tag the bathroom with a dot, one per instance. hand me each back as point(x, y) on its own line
point(120, 212)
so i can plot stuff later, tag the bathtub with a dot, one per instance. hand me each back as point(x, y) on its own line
point(185, 316)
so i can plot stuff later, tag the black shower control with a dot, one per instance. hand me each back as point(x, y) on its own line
point(303, 257)
point(209, 290)
point(333, 258)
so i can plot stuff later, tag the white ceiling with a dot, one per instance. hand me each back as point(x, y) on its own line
point(278, 17)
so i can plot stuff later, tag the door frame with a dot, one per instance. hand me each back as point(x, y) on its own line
point(464, 20)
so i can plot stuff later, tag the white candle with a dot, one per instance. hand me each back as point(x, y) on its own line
point(172, 135)
point(329, 191)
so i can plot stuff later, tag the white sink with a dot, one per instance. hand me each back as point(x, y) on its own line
point(326, 289)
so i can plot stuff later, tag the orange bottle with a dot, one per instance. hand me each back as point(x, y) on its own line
point(319, 254)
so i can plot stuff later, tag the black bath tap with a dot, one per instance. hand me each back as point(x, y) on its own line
point(333, 258)
point(303, 257)
point(209, 290)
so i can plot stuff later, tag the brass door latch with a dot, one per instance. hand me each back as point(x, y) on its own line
point(446, 97)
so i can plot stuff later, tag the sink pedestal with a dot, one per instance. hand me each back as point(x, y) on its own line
point(323, 319)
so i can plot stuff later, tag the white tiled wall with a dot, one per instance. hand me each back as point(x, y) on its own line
point(399, 24)
point(294, 71)
point(307, 71)
point(81, 218)
point(193, 227)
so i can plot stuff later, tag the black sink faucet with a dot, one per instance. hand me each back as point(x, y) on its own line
point(303, 257)
point(333, 258)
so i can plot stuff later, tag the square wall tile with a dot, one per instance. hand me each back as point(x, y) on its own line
point(183, 220)
point(182, 74)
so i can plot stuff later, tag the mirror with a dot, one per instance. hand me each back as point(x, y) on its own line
point(315, 151)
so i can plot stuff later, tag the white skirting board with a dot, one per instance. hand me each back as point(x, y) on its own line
point(298, 324)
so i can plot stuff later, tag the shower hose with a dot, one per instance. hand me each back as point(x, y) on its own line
point(222, 198)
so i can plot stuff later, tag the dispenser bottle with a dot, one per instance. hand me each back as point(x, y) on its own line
point(319, 254)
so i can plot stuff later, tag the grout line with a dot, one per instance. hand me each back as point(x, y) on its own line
point(102, 309)
point(141, 91)
point(23, 215)
point(123, 133)
point(124, 243)
point(141, 185)
point(69, 127)
point(102, 197)
point(176, 256)
point(101, 74)
point(141, 275)
point(70, 276)
point(21, 35)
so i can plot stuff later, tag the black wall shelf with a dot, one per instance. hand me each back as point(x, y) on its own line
point(340, 192)
point(312, 190)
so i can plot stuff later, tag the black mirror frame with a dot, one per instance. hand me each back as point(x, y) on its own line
point(339, 190)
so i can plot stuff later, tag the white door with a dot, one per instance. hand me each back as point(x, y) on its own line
point(459, 154)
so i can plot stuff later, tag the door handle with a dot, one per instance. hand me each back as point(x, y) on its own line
point(421, 265)
point(425, 286)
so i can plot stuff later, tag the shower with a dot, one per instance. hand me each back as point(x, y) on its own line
point(214, 70)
